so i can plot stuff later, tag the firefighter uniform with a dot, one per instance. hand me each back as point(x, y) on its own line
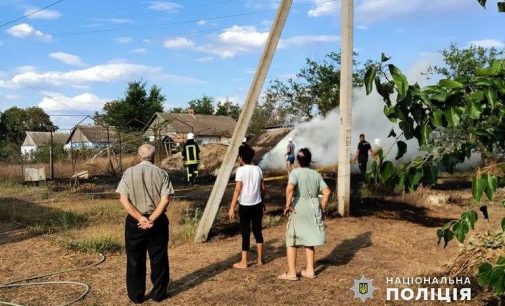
point(190, 153)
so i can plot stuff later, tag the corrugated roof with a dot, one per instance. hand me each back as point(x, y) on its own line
point(201, 125)
point(94, 133)
point(44, 138)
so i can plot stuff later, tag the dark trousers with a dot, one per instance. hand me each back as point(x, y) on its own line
point(192, 173)
point(250, 215)
point(362, 167)
point(139, 242)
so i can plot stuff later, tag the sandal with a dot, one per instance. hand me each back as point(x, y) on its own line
point(238, 266)
point(304, 274)
point(285, 276)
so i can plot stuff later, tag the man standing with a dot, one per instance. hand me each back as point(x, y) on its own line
point(191, 158)
point(362, 154)
point(144, 193)
point(290, 155)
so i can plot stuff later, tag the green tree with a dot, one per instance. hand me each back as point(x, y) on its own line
point(228, 108)
point(475, 103)
point(464, 62)
point(316, 88)
point(177, 110)
point(203, 105)
point(132, 112)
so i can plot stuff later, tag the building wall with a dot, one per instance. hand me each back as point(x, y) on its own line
point(28, 150)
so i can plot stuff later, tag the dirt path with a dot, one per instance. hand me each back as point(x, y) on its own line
point(382, 240)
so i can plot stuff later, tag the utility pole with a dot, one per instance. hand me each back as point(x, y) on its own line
point(344, 145)
point(209, 214)
point(51, 155)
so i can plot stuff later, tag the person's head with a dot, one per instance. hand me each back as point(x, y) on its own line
point(191, 136)
point(290, 140)
point(361, 137)
point(244, 140)
point(304, 157)
point(246, 154)
point(146, 152)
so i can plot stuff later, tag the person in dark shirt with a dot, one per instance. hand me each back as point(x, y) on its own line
point(362, 154)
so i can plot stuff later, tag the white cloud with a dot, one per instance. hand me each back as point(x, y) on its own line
point(302, 40)
point(181, 79)
point(25, 68)
point(202, 22)
point(83, 102)
point(120, 20)
point(161, 6)
point(139, 50)
point(8, 84)
point(124, 40)
point(98, 74)
point(205, 59)
point(12, 97)
point(44, 14)
point(324, 7)
point(362, 27)
point(487, 43)
point(370, 11)
point(24, 30)
point(179, 43)
point(67, 58)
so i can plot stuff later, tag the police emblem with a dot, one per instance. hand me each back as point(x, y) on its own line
point(363, 288)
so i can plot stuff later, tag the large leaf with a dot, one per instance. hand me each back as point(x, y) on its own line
point(392, 133)
point(450, 83)
point(478, 186)
point(484, 275)
point(503, 224)
point(407, 127)
point(400, 79)
point(436, 117)
point(482, 3)
point(390, 113)
point(460, 230)
point(402, 149)
point(425, 134)
point(453, 116)
point(491, 97)
point(387, 169)
point(431, 174)
point(473, 109)
point(370, 74)
point(501, 7)
point(491, 184)
point(470, 217)
point(497, 280)
point(385, 58)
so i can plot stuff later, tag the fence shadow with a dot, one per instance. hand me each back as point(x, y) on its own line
point(344, 252)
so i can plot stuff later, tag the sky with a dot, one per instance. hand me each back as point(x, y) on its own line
point(74, 56)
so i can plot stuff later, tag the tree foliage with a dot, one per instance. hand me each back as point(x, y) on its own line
point(473, 102)
point(314, 91)
point(203, 105)
point(500, 5)
point(132, 112)
point(228, 108)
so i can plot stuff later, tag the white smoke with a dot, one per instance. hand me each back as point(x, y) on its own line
point(320, 135)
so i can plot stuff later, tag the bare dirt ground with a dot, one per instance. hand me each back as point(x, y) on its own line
point(393, 237)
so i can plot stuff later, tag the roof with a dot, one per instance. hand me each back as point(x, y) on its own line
point(93, 133)
point(201, 125)
point(44, 138)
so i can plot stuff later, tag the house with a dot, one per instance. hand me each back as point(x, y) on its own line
point(91, 136)
point(36, 140)
point(173, 127)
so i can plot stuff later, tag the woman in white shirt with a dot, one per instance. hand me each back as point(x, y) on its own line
point(249, 191)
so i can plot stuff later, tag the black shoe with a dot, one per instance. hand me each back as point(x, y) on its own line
point(161, 299)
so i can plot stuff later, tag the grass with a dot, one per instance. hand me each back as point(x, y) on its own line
point(269, 221)
point(189, 224)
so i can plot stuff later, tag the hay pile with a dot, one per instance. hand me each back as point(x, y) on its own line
point(211, 157)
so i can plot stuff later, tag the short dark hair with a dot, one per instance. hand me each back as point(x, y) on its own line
point(246, 153)
point(304, 157)
point(362, 135)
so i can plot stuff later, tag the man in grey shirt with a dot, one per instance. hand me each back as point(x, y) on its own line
point(144, 193)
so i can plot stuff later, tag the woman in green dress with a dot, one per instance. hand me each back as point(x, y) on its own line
point(305, 210)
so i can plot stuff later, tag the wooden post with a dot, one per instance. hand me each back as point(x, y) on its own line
point(209, 214)
point(344, 147)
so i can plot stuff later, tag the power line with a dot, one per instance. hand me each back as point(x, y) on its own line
point(32, 13)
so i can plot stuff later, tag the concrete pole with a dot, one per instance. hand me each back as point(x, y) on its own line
point(209, 214)
point(51, 155)
point(344, 146)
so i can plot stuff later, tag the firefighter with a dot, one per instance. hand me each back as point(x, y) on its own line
point(190, 157)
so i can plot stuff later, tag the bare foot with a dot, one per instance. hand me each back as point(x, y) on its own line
point(260, 262)
point(240, 265)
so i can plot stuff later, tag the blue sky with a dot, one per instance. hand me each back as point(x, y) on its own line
point(83, 53)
